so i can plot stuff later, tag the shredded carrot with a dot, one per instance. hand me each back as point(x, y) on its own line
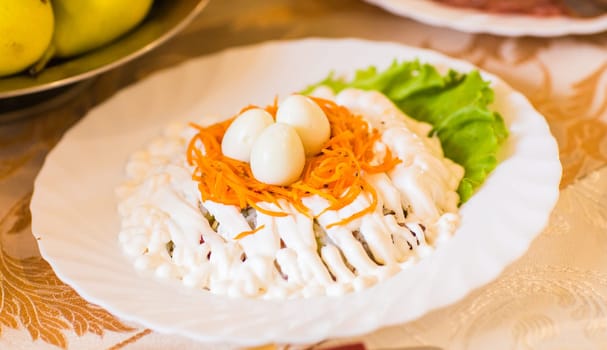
point(246, 233)
point(335, 174)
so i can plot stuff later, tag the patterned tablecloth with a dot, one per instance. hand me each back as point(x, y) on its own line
point(555, 297)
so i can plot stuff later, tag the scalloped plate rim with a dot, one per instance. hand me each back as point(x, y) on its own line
point(474, 21)
point(69, 272)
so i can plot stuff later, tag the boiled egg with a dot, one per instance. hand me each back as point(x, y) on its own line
point(238, 139)
point(278, 157)
point(309, 121)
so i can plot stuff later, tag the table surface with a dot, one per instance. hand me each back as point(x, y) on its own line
point(554, 297)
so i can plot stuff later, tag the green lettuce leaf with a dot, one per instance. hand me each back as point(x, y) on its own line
point(455, 104)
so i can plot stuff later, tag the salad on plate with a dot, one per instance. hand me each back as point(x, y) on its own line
point(323, 192)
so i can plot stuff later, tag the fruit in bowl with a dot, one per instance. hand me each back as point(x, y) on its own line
point(77, 27)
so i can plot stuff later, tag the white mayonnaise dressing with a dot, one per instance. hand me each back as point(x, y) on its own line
point(166, 231)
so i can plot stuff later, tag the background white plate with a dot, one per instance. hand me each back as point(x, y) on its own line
point(76, 221)
point(474, 21)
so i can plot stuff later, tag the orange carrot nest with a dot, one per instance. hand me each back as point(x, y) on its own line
point(335, 174)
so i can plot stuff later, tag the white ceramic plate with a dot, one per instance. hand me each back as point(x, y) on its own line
point(473, 21)
point(76, 221)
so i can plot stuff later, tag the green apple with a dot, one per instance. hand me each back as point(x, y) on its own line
point(84, 25)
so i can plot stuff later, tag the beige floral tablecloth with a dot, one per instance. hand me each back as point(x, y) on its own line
point(555, 297)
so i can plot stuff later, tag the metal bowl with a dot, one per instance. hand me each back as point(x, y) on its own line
point(166, 18)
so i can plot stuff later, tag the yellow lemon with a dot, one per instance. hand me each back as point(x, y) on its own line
point(26, 29)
